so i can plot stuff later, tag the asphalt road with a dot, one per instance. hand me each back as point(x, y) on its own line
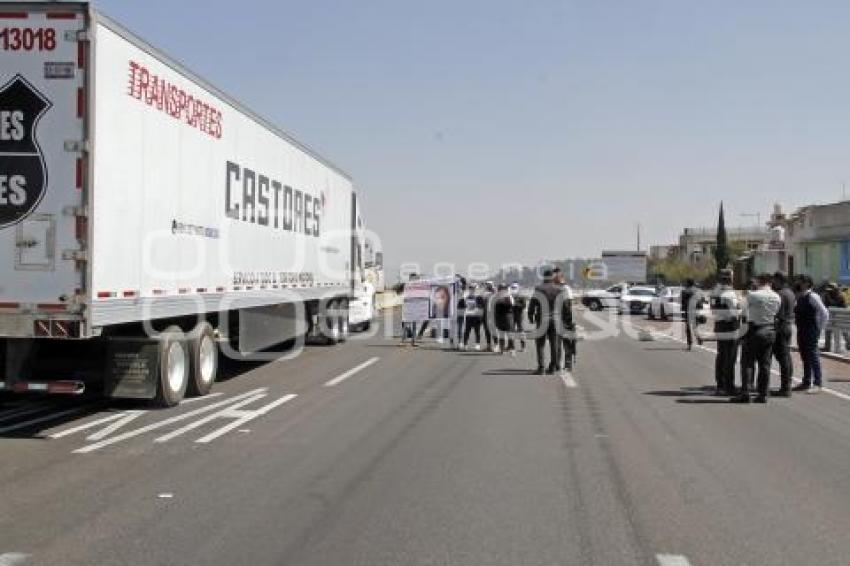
point(371, 454)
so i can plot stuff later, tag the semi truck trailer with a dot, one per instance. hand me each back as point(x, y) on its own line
point(149, 221)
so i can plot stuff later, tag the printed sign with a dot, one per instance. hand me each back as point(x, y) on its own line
point(23, 174)
point(428, 300)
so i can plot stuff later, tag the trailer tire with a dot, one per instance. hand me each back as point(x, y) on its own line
point(173, 368)
point(331, 326)
point(203, 353)
point(344, 326)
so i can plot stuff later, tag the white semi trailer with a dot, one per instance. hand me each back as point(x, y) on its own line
point(148, 220)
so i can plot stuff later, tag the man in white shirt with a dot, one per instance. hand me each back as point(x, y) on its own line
point(727, 324)
point(762, 306)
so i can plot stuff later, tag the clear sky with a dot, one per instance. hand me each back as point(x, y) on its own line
point(495, 130)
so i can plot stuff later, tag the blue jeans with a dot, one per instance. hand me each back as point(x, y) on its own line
point(807, 342)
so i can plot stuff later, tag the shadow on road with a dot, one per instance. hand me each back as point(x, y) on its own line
point(703, 395)
point(665, 348)
point(509, 371)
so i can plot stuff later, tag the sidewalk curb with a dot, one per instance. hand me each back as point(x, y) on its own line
point(828, 355)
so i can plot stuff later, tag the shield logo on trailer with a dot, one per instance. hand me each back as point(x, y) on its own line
point(23, 174)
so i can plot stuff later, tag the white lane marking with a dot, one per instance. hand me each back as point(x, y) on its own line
point(569, 380)
point(86, 426)
point(123, 418)
point(672, 560)
point(230, 411)
point(13, 558)
point(249, 416)
point(22, 411)
point(166, 422)
point(196, 399)
point(45, 418)
point(773, 370)
point(127, 418)
point(340, 378)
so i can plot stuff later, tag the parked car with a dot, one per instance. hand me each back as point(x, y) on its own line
point(668, 302)
point(636, 300)
point(597, 300)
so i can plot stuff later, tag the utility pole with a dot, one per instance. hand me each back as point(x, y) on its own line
point(638, 236)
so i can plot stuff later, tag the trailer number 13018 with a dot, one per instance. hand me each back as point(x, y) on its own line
point(28, 39)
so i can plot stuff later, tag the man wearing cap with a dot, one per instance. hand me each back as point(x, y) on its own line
point(541, 313)
point(727, 322)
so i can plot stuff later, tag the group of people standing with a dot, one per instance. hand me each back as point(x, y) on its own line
point(497, 310)
point(761, 327)
point(494, 318)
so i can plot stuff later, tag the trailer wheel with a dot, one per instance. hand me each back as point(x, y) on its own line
point(173, 368)
point(203, 352)
point(331, 325)
point(344, 327)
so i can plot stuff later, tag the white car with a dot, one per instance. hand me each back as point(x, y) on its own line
point(636, 300)
point(361, 309)
point(597, 300)
point(668, 303)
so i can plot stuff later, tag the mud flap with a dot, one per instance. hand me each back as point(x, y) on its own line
point(132, 368)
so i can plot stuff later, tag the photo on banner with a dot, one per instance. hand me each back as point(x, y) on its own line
point(428, 300)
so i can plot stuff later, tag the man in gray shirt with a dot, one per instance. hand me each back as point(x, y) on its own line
point(762, 307)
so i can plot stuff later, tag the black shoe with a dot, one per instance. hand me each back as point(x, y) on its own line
point(780, 393)
point(720, 392)
point(801, 387)
point(760, 399)
point(742, 398)
point(551, 371)
point(538, 371)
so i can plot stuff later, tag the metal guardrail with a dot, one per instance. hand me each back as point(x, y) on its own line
point(838, 327)
point(839, 319)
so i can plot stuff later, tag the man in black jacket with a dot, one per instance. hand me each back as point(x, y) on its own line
point(689, 308)
point(782, 345)
point(541, 313)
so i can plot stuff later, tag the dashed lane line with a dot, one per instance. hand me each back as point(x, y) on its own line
point(342, 377)
point(672, 560)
